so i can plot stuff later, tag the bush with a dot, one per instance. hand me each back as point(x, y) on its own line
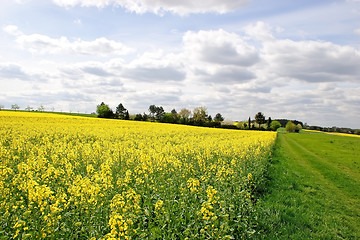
point(290, 127)
point(275, 125)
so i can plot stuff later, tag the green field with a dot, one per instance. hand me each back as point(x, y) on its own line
point(313, 188)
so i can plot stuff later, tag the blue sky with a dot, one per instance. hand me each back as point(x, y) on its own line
point(288, 59)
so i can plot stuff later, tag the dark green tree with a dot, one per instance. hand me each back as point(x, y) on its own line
point(159, 112)
point(249, 123)
point(175, 115)
point(275, 125)
point(268, 123)
point(145, 117)
point(156, 112)
point(259, 118)
point(104, 111)
point(167, 118)
point(121, 111)
point(138, 117)
point(152, 111)
point(218, 118)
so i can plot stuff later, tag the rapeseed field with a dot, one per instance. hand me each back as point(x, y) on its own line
point(65, 177)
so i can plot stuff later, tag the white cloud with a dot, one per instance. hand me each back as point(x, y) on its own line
point(217, 68)
point(42, 44)
point(219, 47)
point(181, 7)
point(312, 61)
point(261, 31)
point(155, 66)
point(12, 30)
point(227, 75)
point(12, 71)
point(218, 57)
point(159, 74)
point(90, 71)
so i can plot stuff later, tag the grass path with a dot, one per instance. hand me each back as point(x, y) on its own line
point(313, 190)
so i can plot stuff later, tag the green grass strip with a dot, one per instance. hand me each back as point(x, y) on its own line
point(313, 190)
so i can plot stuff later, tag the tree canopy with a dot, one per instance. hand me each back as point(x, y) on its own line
point(15, 107)
point(121, 112)
point(104, 111)
point(274, 125)
point(290, 126)
point(259, 118)
point(218, 118)
point(200, 114)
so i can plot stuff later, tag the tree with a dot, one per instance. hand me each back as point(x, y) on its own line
point(184, 114)
point(218, 118)
point(15, 107)
point(28, 108)
point(127, 116)
point(269, 123)
point(156, 112)
point(145, 117)
point(175, 115)
point(249, 123)
point(275, 125)
point(259, 118)
point(152, 110)
point(121, 111)
point(104, 111)
point(167, 118)
point(159, 112)
point(200, 115)
point(138, 117)
point(41, 108)
point(173, 112)
point(290, 126)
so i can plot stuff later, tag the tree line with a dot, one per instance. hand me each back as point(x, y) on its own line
point(16, 107)
point(197, 117)
point(334, 129)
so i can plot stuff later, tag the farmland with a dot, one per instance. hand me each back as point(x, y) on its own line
point(65, 177)
point(313, 188)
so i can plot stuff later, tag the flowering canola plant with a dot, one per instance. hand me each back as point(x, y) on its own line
point(66, 177)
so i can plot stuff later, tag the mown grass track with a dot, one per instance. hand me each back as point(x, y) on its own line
point(313, 190)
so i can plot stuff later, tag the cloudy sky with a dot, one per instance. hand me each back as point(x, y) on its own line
point(288, 59)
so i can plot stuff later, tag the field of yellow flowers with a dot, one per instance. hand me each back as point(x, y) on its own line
point(66, 177)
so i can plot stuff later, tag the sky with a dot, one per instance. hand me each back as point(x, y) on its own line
point(287, 59)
